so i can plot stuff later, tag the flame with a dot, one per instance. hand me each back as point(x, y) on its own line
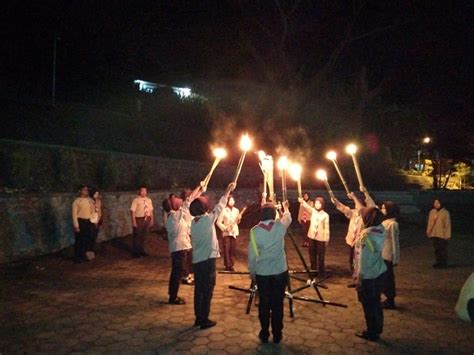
point(321, 175)
point(351, 149)
point(245, 142)
point(261, 154)
point(331, 155)
point(295, 171)
point(220, 153)
point(283, 163)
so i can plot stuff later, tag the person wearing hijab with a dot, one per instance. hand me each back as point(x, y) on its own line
point(439, 231)
point(371, 269)
point(304, 219)
point(318, 234)
point(178, 227)
point(205, 251)
point(391, 251)
point(96, 221)
point(268, 267)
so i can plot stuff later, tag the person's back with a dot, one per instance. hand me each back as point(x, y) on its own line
point(270, 243)
point(268, 268)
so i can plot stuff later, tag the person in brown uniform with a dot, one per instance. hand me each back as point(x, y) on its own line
point(141, 212)
point(82, 210)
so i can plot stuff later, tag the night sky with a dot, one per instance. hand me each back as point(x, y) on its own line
point(421, 50)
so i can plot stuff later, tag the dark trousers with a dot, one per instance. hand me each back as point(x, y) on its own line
point(305, 228)
point(389, 289)
point(94, 234)
point(369, 292)
point(441, 250)
point(351, 258)
point(177, 264)
point(82, 240)
point(205, 280)
point(187, 262)
point(271, 290)
point(317, 250)
point(229, 252)
point(139, 233)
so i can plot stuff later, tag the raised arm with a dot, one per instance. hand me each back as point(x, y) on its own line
point(286, 217)
point(305, 205)
point(223, 201)
point(369, 202)
point(196, 192)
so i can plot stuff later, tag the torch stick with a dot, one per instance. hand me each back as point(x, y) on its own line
point(283, 165)
point(295, 172)
point(219, 154)
point(321, 175)
point(245, 145)
point(352, 149)
point(332, 156)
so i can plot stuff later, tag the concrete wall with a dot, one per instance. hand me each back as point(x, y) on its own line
point(33, 225)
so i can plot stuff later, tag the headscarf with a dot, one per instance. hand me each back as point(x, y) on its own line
point(371, 216)
point(268, 211)
point(199, 206)
point(321, 200)
point(393, 211)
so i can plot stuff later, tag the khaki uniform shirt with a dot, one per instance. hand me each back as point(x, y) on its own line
point(83, 208)
point(138, 206)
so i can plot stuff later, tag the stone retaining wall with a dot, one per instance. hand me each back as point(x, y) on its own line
point(34, 225)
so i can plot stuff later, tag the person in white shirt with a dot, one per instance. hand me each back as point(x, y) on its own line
point(141, 212)
point(304, 220)
point(391, 251)
point(178, 227)
point(439, 231)
point(205, 251)
point(82, 211)
point(228, 223)
point(318, 234)
point(268, 267)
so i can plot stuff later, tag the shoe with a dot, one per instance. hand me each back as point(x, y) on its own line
point(207, 324)
point(144, 254)
point(197, 323)
point(136, 255)
point(351, 285)
point(77, 260)
point(388, 304)
point(231, 269)
point(263, 336)
point(277, 339)
point(366, 336)
point(177, 300)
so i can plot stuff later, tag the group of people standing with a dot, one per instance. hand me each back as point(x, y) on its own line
point(372, 239)
point(86, 220)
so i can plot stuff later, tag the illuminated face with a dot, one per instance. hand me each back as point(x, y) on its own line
point(96, 195)
point(437, 204)
point(143, 192)
point(306, 197)
point(231, 202)
point(317, 205)
point(383, 210)
point(84, 192)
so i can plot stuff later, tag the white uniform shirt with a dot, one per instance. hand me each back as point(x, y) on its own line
point(267, 250)
point(203, 234)
point(319, 227)
point(391, 246)
point(178, 226)
point(228, 221)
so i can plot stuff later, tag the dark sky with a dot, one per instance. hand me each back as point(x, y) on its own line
point(423, 47)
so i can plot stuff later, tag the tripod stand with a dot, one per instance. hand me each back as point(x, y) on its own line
point(290, 293)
